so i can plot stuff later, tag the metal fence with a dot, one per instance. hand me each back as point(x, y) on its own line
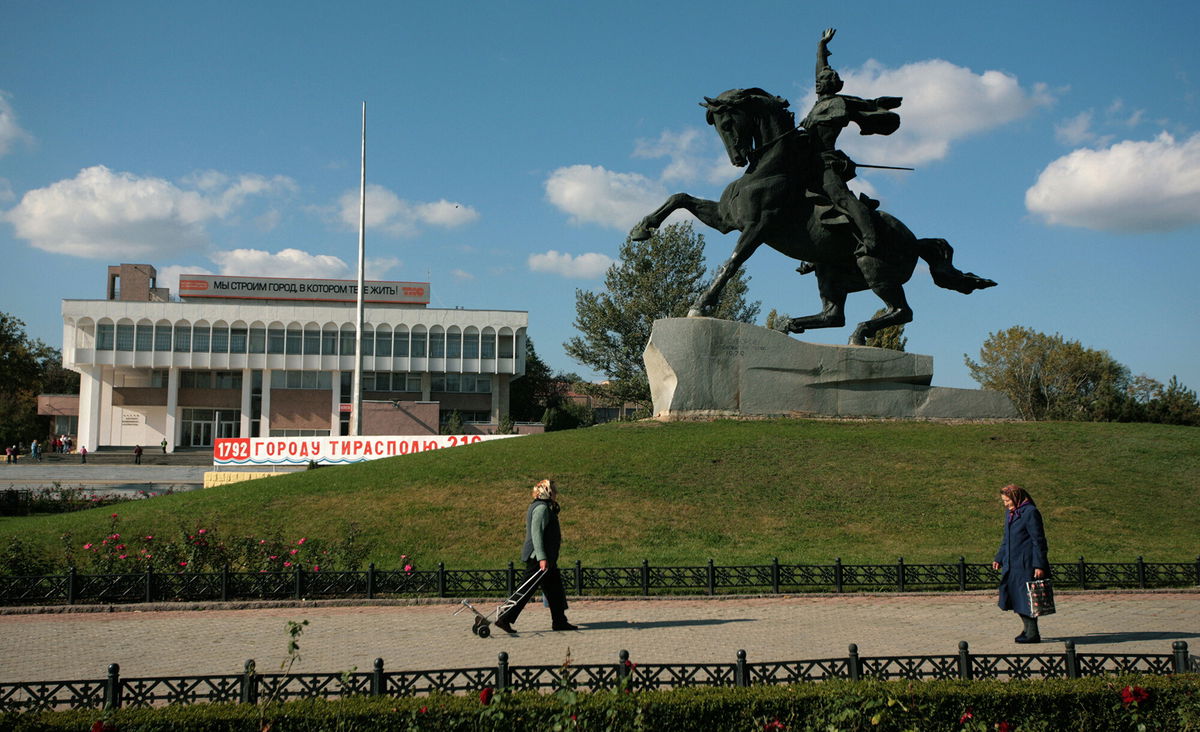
point(251, 687)
point(74, 587)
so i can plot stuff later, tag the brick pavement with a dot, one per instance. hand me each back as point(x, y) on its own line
point(149, 642)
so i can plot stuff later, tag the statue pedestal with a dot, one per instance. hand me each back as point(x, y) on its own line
point(703, 367)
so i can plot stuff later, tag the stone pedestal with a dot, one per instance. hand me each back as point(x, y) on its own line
point(706, 367)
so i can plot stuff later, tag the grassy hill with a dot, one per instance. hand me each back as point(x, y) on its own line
point(738, 492)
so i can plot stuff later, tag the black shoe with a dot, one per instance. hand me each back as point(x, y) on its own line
point(505, 626)
point(1022, 638)
point(564, 625)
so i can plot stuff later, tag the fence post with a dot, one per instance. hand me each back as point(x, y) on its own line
point(112, 687)
point(578, 577)
point(1181, 656)
point(739, 670)
point(249, 683)
point(371, 581)
point(377, 678)
point(1082, 574)
point(964, 661)
point(645, 577)
point(299, 583)
point(962, 574)
point(149, 585)
point(775, 575)
point(622, 666)
point(1072, 661)
point(1141, 573)
point(510, 580)
point(711, 578)
point(1198, 569)
point(853, 663)
point(900, 574)
point(838, 575)
point(441, 579)
point(502, 671)
point(225, 583)
point(73, 583)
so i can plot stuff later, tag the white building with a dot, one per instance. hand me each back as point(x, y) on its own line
point(250, 357)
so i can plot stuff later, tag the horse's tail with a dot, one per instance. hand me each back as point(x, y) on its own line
point(939, 255)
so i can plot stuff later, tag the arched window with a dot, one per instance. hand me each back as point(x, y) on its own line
point(383, 340)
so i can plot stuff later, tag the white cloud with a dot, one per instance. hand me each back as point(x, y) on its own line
point(395, 216)
point(1132, 186)
point(1077, 130)
point(592, 194)
point(285, 263)
point(6, 192)
point(583, 266)
point(462, 274)
point(102, 214)
point(943, 103)
point(10, 131)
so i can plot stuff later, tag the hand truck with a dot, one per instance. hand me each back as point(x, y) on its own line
point(482, 625)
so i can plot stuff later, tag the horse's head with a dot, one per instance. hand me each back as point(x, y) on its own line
point(743, 118)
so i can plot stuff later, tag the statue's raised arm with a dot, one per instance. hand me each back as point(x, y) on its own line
point(823, 52)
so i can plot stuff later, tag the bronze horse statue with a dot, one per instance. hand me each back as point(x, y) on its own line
point(778, 202)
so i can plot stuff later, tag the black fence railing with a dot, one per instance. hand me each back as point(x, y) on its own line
point(74, 587)
point(251, 687)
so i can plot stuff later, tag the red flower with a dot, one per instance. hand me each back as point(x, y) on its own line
point(485, 695)
point(422, 710)
point(1004, 727)
point(967, 716)
point(1133, 695)
point(774, 724)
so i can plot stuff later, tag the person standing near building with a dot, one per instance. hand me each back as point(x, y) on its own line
point(137, 454)
point(1021, 558)
point(543, 539)
point(83, 453)
point(164, 446)
point(35, 450)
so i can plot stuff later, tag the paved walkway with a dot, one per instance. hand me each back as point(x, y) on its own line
point(73, 645)
point(108, 478)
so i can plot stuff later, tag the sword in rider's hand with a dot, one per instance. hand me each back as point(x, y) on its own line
point(881, 167)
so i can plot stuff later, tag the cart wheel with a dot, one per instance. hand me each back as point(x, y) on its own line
point(475, 629)
point(483, 631)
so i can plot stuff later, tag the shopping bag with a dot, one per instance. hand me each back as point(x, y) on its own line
point(1041, 597)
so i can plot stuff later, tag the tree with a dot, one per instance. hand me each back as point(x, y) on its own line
point(1049, 377)
point(657, 278)
point(527, 396)
point(891, 337)
point(27, 368)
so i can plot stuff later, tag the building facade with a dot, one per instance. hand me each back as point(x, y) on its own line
point(251, 357)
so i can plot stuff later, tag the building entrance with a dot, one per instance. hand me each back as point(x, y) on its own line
point(199, 425)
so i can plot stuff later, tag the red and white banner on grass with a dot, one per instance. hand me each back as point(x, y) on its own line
point(332, 450)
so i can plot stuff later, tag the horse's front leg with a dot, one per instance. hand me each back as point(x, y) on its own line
point(747, 243)
point(707, 211)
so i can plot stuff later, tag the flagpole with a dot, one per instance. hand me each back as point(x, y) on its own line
point(356, 388)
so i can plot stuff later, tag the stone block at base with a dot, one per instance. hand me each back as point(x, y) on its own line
point(701, 367)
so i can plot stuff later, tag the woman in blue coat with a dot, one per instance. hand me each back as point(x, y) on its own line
point(1022, 557)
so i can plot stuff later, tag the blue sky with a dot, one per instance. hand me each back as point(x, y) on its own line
point(511, 145)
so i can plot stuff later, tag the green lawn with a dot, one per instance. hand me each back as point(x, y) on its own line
point(738, 492)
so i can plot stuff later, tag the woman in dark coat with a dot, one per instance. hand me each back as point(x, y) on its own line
point(543, 539)
point(1022, 557)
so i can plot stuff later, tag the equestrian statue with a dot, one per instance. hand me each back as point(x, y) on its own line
point(793, 198)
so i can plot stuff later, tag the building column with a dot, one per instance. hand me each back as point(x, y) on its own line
point(90, 390)
point(499, 397)
point(247, 390)
point(335, 408)
point(426, 386)
point(173, 422)
point(264, 422)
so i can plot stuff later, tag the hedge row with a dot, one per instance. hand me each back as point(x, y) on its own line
point(1097, 703)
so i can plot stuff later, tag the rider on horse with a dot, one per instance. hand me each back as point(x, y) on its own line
point(824, 123)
